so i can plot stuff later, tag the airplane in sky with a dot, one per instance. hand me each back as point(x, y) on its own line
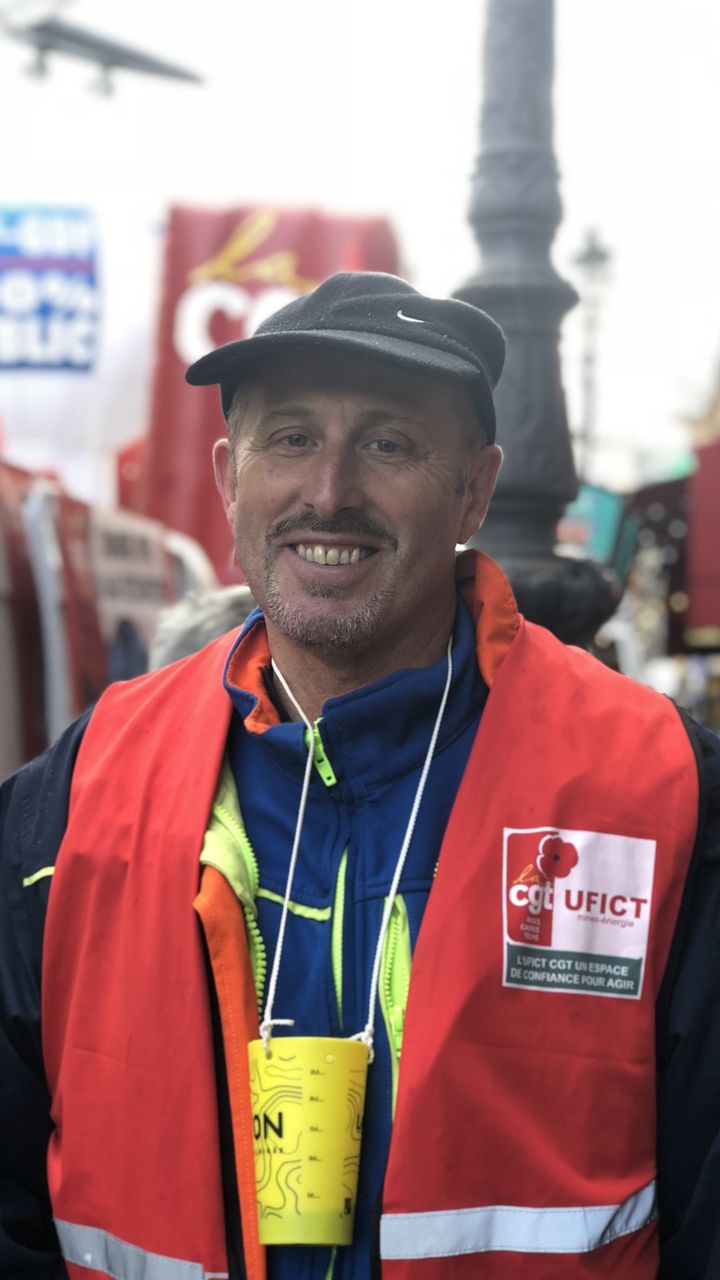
point(34, 23)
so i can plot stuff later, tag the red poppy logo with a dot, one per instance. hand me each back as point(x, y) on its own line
point(556, 857)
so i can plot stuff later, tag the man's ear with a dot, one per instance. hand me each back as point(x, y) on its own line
point(224, 468)
point(482, 474)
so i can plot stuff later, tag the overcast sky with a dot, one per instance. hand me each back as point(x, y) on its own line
point(373, 105)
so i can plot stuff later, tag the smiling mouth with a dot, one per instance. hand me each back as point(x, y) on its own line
point(318, 554)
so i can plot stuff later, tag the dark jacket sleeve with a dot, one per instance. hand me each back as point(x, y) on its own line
point(33, 812)
point(688, 1146)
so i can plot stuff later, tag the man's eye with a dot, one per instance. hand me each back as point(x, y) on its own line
point(385, 446)
point(295, 439)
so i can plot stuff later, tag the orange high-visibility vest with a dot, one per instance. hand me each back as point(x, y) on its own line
point(524, 1136)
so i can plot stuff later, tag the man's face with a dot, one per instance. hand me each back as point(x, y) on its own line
point(349, 486)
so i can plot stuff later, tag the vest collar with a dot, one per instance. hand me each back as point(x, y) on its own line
point(488, 595)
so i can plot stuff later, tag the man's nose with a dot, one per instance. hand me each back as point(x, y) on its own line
point(332, 481)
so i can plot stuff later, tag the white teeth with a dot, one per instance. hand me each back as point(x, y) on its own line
point(330, 555)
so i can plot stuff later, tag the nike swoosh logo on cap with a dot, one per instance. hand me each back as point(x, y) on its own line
point(410, 319)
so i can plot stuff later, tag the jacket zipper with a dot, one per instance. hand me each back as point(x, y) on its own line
point(258, 955)
point(327, 773)
point(336, 934)
point(394, 983)
point(256, 945)
point(230, 846)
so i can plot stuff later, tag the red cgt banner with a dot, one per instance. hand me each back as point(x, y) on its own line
point(224, 273)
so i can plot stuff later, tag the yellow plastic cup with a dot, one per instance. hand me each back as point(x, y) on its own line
point(308, 1097)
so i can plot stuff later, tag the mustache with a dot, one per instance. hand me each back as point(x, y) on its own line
point(350, 522)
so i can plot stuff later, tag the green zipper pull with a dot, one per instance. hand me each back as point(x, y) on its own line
point(320, 760)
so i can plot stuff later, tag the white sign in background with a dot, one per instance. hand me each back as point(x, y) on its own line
point(71, 420)
point(49, 292)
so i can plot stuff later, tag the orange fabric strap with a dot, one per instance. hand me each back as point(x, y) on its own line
point(224, 927)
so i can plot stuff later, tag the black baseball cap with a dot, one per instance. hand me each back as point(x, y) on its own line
point(378, 316)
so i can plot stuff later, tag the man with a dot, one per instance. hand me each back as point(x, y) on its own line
point(499, 874)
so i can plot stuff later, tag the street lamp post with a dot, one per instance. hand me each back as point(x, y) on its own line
point(515, 211)
point(592, 262)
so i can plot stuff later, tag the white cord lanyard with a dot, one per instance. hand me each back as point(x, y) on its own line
point(368, 1033)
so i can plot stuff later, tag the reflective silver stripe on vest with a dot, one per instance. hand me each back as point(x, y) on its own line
point(97, 1250)
point(513, 1228)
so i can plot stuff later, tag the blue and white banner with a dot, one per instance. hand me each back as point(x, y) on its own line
point(49, 296)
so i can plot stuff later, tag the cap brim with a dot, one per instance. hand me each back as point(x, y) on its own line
point(229, 364)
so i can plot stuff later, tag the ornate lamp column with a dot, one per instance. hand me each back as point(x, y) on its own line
point(515, 211)
point(592, 261)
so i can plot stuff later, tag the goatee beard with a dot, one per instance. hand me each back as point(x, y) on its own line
point(334, 632)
